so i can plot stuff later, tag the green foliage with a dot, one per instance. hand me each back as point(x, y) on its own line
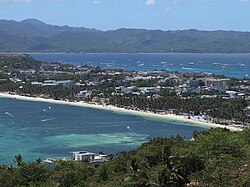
point(32, 173)
point(216, 157)
point(67, 174)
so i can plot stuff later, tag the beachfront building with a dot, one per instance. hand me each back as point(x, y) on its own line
point(85, 157)
point(84, 94)
point(88, 157)
point(65, 83)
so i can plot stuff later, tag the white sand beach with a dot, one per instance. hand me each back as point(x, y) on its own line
point(167, 117)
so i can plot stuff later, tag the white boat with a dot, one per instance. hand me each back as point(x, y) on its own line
point(216, 64)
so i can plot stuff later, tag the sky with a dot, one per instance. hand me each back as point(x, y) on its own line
point(146, 14)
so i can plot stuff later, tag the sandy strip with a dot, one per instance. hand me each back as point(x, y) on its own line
point(191, 122)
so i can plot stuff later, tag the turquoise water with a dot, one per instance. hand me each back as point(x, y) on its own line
point(231, 65)
point(41, 130)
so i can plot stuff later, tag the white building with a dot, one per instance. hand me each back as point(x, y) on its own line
point(88, 157)
point(216, 83)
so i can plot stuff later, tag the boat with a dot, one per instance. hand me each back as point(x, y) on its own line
point(216, 64)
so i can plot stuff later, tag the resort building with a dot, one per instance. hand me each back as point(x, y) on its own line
point(216, 83)
point(88, 157)
point(91, 159)
point(65, 83)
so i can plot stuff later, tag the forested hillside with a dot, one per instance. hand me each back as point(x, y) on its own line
point(35, 36)
point(214, 158)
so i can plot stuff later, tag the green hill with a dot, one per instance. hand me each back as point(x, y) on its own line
point(35, 36)
point(214, 158)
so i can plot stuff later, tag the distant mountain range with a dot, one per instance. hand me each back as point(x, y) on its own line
point(32, 35)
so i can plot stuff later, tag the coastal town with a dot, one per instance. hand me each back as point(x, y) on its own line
point(157, 91)
point(108, 93)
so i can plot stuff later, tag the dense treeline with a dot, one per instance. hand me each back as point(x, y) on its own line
point(217, 157)
point(215, 107)
point(11, 63)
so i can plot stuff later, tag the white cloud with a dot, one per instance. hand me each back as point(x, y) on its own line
point(150, 2)
point(96, 1)
point(167, 9)
point(243, 1)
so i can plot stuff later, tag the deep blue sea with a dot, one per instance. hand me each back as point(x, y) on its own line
point(42, 130)
point(231, 65)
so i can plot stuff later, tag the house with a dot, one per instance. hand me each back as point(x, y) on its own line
point(84, 94)
point(126, 89)
point(88, 157)
point(151, 89)
point(27, 72)
point(104, 100)
point(91, 159)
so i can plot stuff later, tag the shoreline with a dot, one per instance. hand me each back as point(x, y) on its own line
point(168, 117)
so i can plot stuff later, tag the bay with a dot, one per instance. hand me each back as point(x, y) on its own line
point(42, 130)
point(231, 65)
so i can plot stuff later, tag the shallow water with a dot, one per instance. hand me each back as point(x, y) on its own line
point(36, 131)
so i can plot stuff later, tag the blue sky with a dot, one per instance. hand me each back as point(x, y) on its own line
point(148, 14)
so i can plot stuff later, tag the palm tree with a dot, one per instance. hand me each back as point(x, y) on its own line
point(18, 159)
point(170, 176)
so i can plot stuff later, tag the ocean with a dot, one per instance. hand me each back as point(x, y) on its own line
point(45, 130)
point(231, 65)
point(42, 130)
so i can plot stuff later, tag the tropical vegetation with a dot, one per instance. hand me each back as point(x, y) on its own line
point(212, 158)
